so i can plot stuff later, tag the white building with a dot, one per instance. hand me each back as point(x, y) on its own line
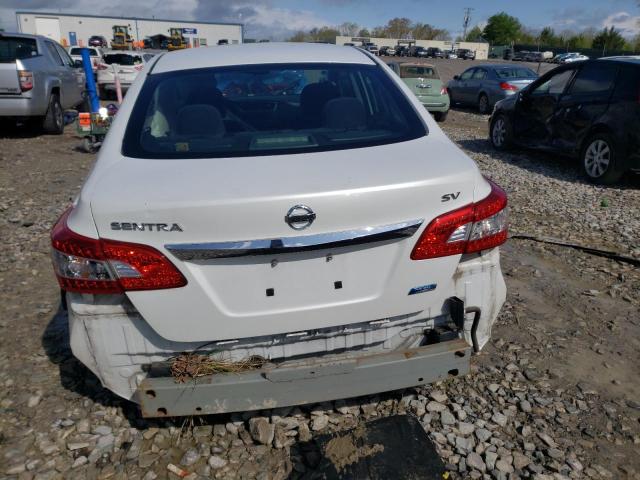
point(481, 49)
point(72, 29)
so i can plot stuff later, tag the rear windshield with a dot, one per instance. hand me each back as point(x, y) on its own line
point(418, 72)
point(268, 110)
point(122, 59)
point(516, 73)
point(17, 48)
point(78, 51)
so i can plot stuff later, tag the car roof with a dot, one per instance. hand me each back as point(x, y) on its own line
point(23, 35)
point(258, 54)
point(416, 64)
point(498, 65)
point(635, 59)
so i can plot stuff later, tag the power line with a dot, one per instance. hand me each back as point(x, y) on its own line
point(465, 23)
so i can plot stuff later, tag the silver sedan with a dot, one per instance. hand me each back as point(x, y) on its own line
point(484, 85)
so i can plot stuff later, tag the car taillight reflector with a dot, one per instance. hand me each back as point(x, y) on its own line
point(469, 229)
point(26, 80)
point(443, 91)
point(102, 66)
point(139, 67)
point(508, 86)
point(87, 265)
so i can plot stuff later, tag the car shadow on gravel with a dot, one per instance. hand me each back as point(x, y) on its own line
point(547, 164)
point(14, 131)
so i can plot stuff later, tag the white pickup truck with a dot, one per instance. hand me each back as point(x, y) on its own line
point(38, 79)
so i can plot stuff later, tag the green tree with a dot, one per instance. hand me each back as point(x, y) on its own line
point(549, 38)
point(424, 31)
point(349, 29)
point(299, 36)
point(502, 29)
point(379, 32)
point(398, 28)
point(608, 39)
point(364, 33)
point(475, 34)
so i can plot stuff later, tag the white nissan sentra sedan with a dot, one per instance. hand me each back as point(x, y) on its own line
point(288, 202)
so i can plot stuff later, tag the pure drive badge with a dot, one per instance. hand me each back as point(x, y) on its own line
point(146, 227)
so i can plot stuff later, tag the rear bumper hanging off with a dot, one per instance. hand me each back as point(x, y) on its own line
point(304, 382)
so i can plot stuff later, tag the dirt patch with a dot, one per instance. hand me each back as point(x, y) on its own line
point(343, 450)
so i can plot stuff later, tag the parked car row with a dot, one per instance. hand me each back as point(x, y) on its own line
point(425, 52)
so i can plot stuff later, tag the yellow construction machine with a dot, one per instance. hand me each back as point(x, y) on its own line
point(121, 39)
point(176, 40)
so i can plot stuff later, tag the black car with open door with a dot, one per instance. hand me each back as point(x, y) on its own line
point(587, 110)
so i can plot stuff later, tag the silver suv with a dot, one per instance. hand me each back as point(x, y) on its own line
point(38, 79)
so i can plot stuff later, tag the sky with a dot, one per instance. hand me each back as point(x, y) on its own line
point(277, 19)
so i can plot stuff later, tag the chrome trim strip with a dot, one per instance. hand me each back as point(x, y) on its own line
point(212, 250)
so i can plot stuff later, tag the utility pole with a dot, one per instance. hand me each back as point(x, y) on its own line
point(465, 23)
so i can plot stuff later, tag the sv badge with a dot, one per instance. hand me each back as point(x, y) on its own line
point(449, 196)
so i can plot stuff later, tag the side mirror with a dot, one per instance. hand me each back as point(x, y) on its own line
point(456, 77)
point(77, 64)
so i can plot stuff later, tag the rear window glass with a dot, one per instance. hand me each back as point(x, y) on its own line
point(628, 84)
point(78, 51)
point(515, 73)
point(268, 110)
point(597, 77)
point(122, 59)
point(417, 72)
point(16, 48)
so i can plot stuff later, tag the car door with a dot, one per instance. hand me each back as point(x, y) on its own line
point(585, 101)
point(457, 87)
point(474, 85)
point(536, 107)
point(65, 75)
point(75, 76)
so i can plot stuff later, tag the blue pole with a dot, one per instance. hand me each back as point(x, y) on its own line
point(91, 83)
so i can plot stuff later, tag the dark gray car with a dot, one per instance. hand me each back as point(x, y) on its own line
point(484, 85)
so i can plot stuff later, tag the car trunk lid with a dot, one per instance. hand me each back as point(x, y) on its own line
point(242, 200)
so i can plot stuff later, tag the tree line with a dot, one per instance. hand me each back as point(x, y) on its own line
point(504, 29)
point(501, 29)
point(394, 28)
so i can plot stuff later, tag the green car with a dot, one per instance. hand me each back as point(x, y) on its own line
point(424, 81)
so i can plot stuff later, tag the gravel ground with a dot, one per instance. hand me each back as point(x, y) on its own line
point(553, 396)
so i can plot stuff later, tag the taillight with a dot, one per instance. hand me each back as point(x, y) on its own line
point(508, 86)
point(139, 67)
point(26, 80)
point(87, 265)
point(102, 66)
point(469, 229)
point(443, 91)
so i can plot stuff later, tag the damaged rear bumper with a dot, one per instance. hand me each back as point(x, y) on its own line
point(304, 382)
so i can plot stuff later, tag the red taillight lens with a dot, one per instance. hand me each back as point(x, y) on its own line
point(102, 66)
point(443, 91)
point(469, 229)
point(508, 86)
point(87, 265)
point(139, 67)
point(26, 80)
